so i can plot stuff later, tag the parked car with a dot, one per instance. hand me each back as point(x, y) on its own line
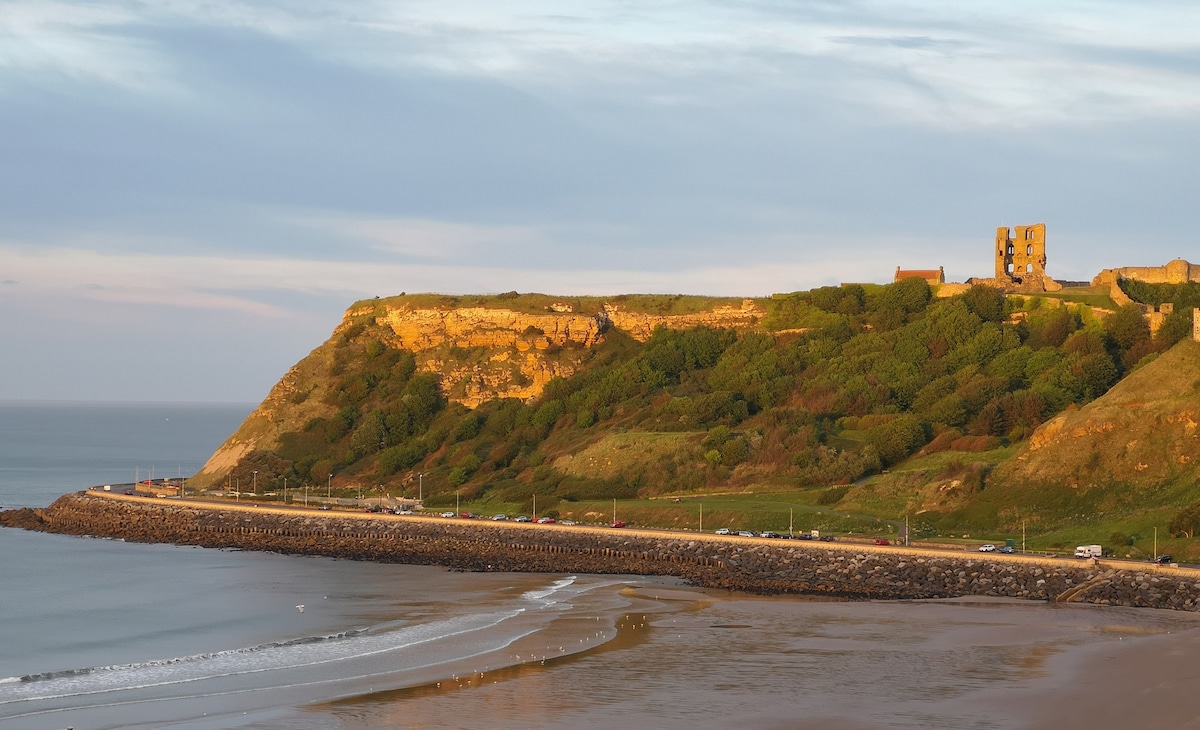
point(768, 533)
point(523, 518)
point(804, 536)
point(746, 533)
point(882, 541)
point(1164, 560)
point(1007, 549)
point(545, 521)
point(467, 515)
point(447, 514)
point(324, 506)
point(988, 548)
point(828, 538)
point(499, 518)
point(618, 523)
point(568, 523)
point(723, 531)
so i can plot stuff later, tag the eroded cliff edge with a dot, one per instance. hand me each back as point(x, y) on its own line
point(479, 349)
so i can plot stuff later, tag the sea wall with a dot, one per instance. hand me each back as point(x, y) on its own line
point(766, 567)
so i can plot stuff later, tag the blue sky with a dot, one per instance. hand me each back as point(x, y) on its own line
point(193, 191)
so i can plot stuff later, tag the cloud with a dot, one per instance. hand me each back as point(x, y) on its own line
point(938, 64)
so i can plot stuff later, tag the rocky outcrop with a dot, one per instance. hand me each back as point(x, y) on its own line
point(641, 325)
point(760, 567)
point(478, 352)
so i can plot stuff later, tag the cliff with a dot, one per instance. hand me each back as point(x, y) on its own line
point(479, 348)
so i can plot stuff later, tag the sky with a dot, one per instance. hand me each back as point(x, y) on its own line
point(193, 191)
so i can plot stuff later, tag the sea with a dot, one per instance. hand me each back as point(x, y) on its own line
point(98, 633)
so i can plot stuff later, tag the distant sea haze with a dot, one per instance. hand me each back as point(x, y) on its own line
point(107, 634)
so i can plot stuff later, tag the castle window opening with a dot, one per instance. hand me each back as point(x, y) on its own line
point(1028, 234)
point(1011, 249)
point(1029, 250)
point(1028, 268)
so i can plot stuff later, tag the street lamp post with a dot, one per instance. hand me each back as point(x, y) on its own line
point(254, 487)
point(535, 508)
point(421, 488)
point(285, 490)
point(329, 488)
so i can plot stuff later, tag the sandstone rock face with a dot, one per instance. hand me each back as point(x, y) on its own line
point(760, 567)
point(640, 326)
point(478, 353)
point(423, 329)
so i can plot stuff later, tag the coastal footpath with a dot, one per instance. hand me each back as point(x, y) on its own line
point(756, 566)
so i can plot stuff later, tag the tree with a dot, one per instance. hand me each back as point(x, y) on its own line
point(985, 302)
point(1127, 326)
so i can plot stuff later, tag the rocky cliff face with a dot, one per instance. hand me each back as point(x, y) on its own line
point(477, 352)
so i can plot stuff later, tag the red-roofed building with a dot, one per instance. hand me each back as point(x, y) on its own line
point(932, 277)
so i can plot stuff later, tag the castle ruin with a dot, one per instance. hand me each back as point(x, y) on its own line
point(1021, 260)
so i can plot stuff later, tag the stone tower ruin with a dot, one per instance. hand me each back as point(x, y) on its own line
point(1021, 259)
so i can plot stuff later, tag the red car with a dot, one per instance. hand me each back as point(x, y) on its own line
point(618, 524)
point(467, 516)
point(881, 541)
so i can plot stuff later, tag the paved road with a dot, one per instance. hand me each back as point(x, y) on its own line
point(843, 544)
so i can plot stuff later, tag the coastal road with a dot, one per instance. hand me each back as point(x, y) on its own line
point(840, 545)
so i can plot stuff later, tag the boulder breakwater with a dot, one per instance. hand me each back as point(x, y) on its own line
point(756, 566)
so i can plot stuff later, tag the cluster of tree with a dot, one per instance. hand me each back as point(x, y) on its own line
point(843, 381)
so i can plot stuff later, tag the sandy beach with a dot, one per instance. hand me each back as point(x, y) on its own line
point(717, 661)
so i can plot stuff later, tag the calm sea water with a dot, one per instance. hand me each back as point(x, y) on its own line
point(101, 633)
point(104, 634)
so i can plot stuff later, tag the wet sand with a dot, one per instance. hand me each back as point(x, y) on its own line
point(713, 660)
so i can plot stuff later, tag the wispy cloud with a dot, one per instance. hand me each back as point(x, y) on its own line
point(933, 63)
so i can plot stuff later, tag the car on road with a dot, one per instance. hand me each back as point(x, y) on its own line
point(803, 536)
point(772, 535)
point(324, 506)
point(882, 541)
point(447, 514)
point(404, 512)
point(828, 538)
point(746, 533)
point(723, 531)
point(467, 515)
point(499, 518)
point(619, 523)
point(988, 548)
point(523, 518)
point(568, 523)
point(545, 521)
point(1007, 549)
point(1164, 560)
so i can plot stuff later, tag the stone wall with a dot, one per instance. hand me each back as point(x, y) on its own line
point(766, 567)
